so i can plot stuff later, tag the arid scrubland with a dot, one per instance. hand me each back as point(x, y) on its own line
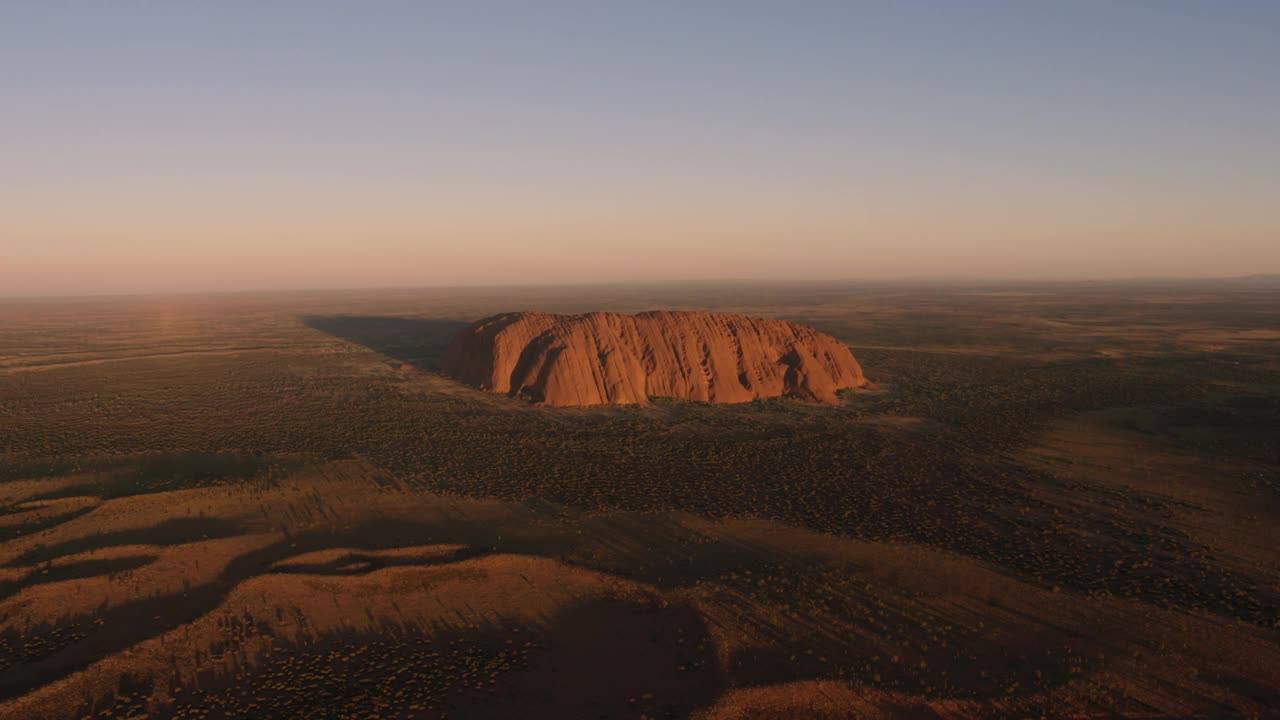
point(1055, 501)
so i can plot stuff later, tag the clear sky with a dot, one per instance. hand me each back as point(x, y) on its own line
point(157, 146)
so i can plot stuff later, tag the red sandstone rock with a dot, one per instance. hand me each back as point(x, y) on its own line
point(607, 358)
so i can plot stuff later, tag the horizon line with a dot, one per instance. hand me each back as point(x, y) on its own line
point(940, 280)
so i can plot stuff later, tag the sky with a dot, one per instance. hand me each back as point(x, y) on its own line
point(160, 147)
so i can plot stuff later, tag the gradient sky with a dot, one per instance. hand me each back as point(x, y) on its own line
point(156, 146)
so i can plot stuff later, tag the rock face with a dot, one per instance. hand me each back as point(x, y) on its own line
point(607, 358)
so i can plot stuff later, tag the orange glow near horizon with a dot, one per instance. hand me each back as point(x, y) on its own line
point(431, 147)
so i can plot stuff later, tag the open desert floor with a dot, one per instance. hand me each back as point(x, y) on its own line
point(1055, 501)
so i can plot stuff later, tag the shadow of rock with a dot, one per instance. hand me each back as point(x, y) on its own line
point(81, 640)
point(414, 341)
point(75, 571)
point(357, 563)
point(612, 658)
point(605, 658)
point(35, 526)
point(391, 671)
point(161, 472)
point(169, 532)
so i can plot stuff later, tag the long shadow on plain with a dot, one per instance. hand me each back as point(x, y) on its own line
point(416, 341)
point(175, 531)
point(75, 571)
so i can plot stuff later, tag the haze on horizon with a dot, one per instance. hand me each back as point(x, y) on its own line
point(148, 147)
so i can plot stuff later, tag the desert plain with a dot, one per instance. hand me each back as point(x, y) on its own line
point(1052, 500)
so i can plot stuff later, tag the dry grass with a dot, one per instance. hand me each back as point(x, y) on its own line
point(447, 603)
point(1057, 503)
